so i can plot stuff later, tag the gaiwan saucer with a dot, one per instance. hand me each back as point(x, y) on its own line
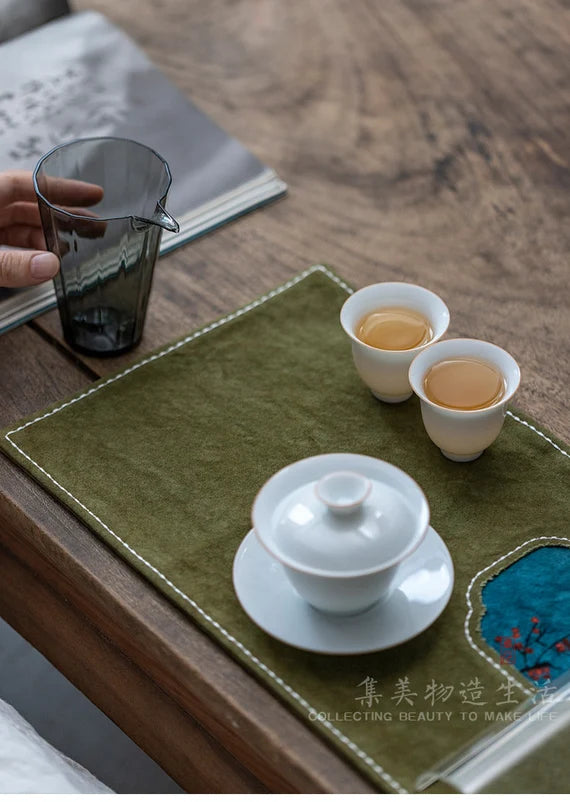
point(420, 591)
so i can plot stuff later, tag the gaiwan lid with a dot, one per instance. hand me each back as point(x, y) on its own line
point(340, 514)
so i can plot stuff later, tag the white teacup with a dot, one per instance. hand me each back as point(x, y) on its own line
point(386, 372)
point(340, 525)
point(463, 435)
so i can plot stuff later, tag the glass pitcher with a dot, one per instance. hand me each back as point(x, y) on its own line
point(101, 202)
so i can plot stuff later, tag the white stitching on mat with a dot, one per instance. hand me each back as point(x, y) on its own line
point(541, 434)
point(470, 610)
point(287, 688)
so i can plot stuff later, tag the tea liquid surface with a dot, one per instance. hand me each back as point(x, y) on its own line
point(394, 328)
point(464, 383)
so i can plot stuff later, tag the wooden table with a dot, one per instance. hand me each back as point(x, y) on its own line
point(423, 140)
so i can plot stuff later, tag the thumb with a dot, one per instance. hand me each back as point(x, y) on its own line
point(23, 268)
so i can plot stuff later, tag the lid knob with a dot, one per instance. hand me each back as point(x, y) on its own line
point(343, 491)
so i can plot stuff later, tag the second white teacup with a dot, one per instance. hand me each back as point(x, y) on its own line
point(386, 372)
point(463, 434)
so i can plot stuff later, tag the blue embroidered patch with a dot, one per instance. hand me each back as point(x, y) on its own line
point(527, 618)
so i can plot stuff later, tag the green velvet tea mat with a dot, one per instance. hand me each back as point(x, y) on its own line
point(163, 461)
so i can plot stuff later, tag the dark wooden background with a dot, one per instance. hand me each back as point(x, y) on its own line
point(422, 140)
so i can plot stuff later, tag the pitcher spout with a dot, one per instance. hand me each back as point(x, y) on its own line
point(164, 220)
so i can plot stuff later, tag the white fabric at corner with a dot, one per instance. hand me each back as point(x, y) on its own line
point(29, 765)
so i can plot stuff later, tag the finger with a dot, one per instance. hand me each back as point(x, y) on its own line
point(21, 213)
point(17, 185)
point(85, 223)
point(80, 211)
point(23, 268)
point(29, 214)
point(68, 191)
point(23, 237)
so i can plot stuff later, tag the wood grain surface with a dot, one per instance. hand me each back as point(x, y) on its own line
point(136, 700)
point(422, 140)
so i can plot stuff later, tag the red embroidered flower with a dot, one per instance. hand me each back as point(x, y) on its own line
point(498, 639)
point(535, 620)
point(560, 647)
point(540, 672)
point(516, 632)
point(536, 630)
point(508, 642)
point(529, 650)
point(534, 673)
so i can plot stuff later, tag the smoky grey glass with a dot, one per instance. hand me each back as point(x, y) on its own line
point(101, 203)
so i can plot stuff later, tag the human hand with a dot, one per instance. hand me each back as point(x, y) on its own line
point(20, 225)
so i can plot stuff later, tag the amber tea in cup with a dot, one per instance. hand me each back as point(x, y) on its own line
point(464, 383)
point(394, 328)
point(464, 387)
point(388, 324)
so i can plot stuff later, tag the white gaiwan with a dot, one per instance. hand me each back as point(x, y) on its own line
point(340, 525)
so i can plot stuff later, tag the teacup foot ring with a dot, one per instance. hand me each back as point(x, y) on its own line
point(350, 613)
point(392, 399)
point(461, 457)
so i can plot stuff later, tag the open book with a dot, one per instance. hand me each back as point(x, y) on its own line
point(80, 76)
